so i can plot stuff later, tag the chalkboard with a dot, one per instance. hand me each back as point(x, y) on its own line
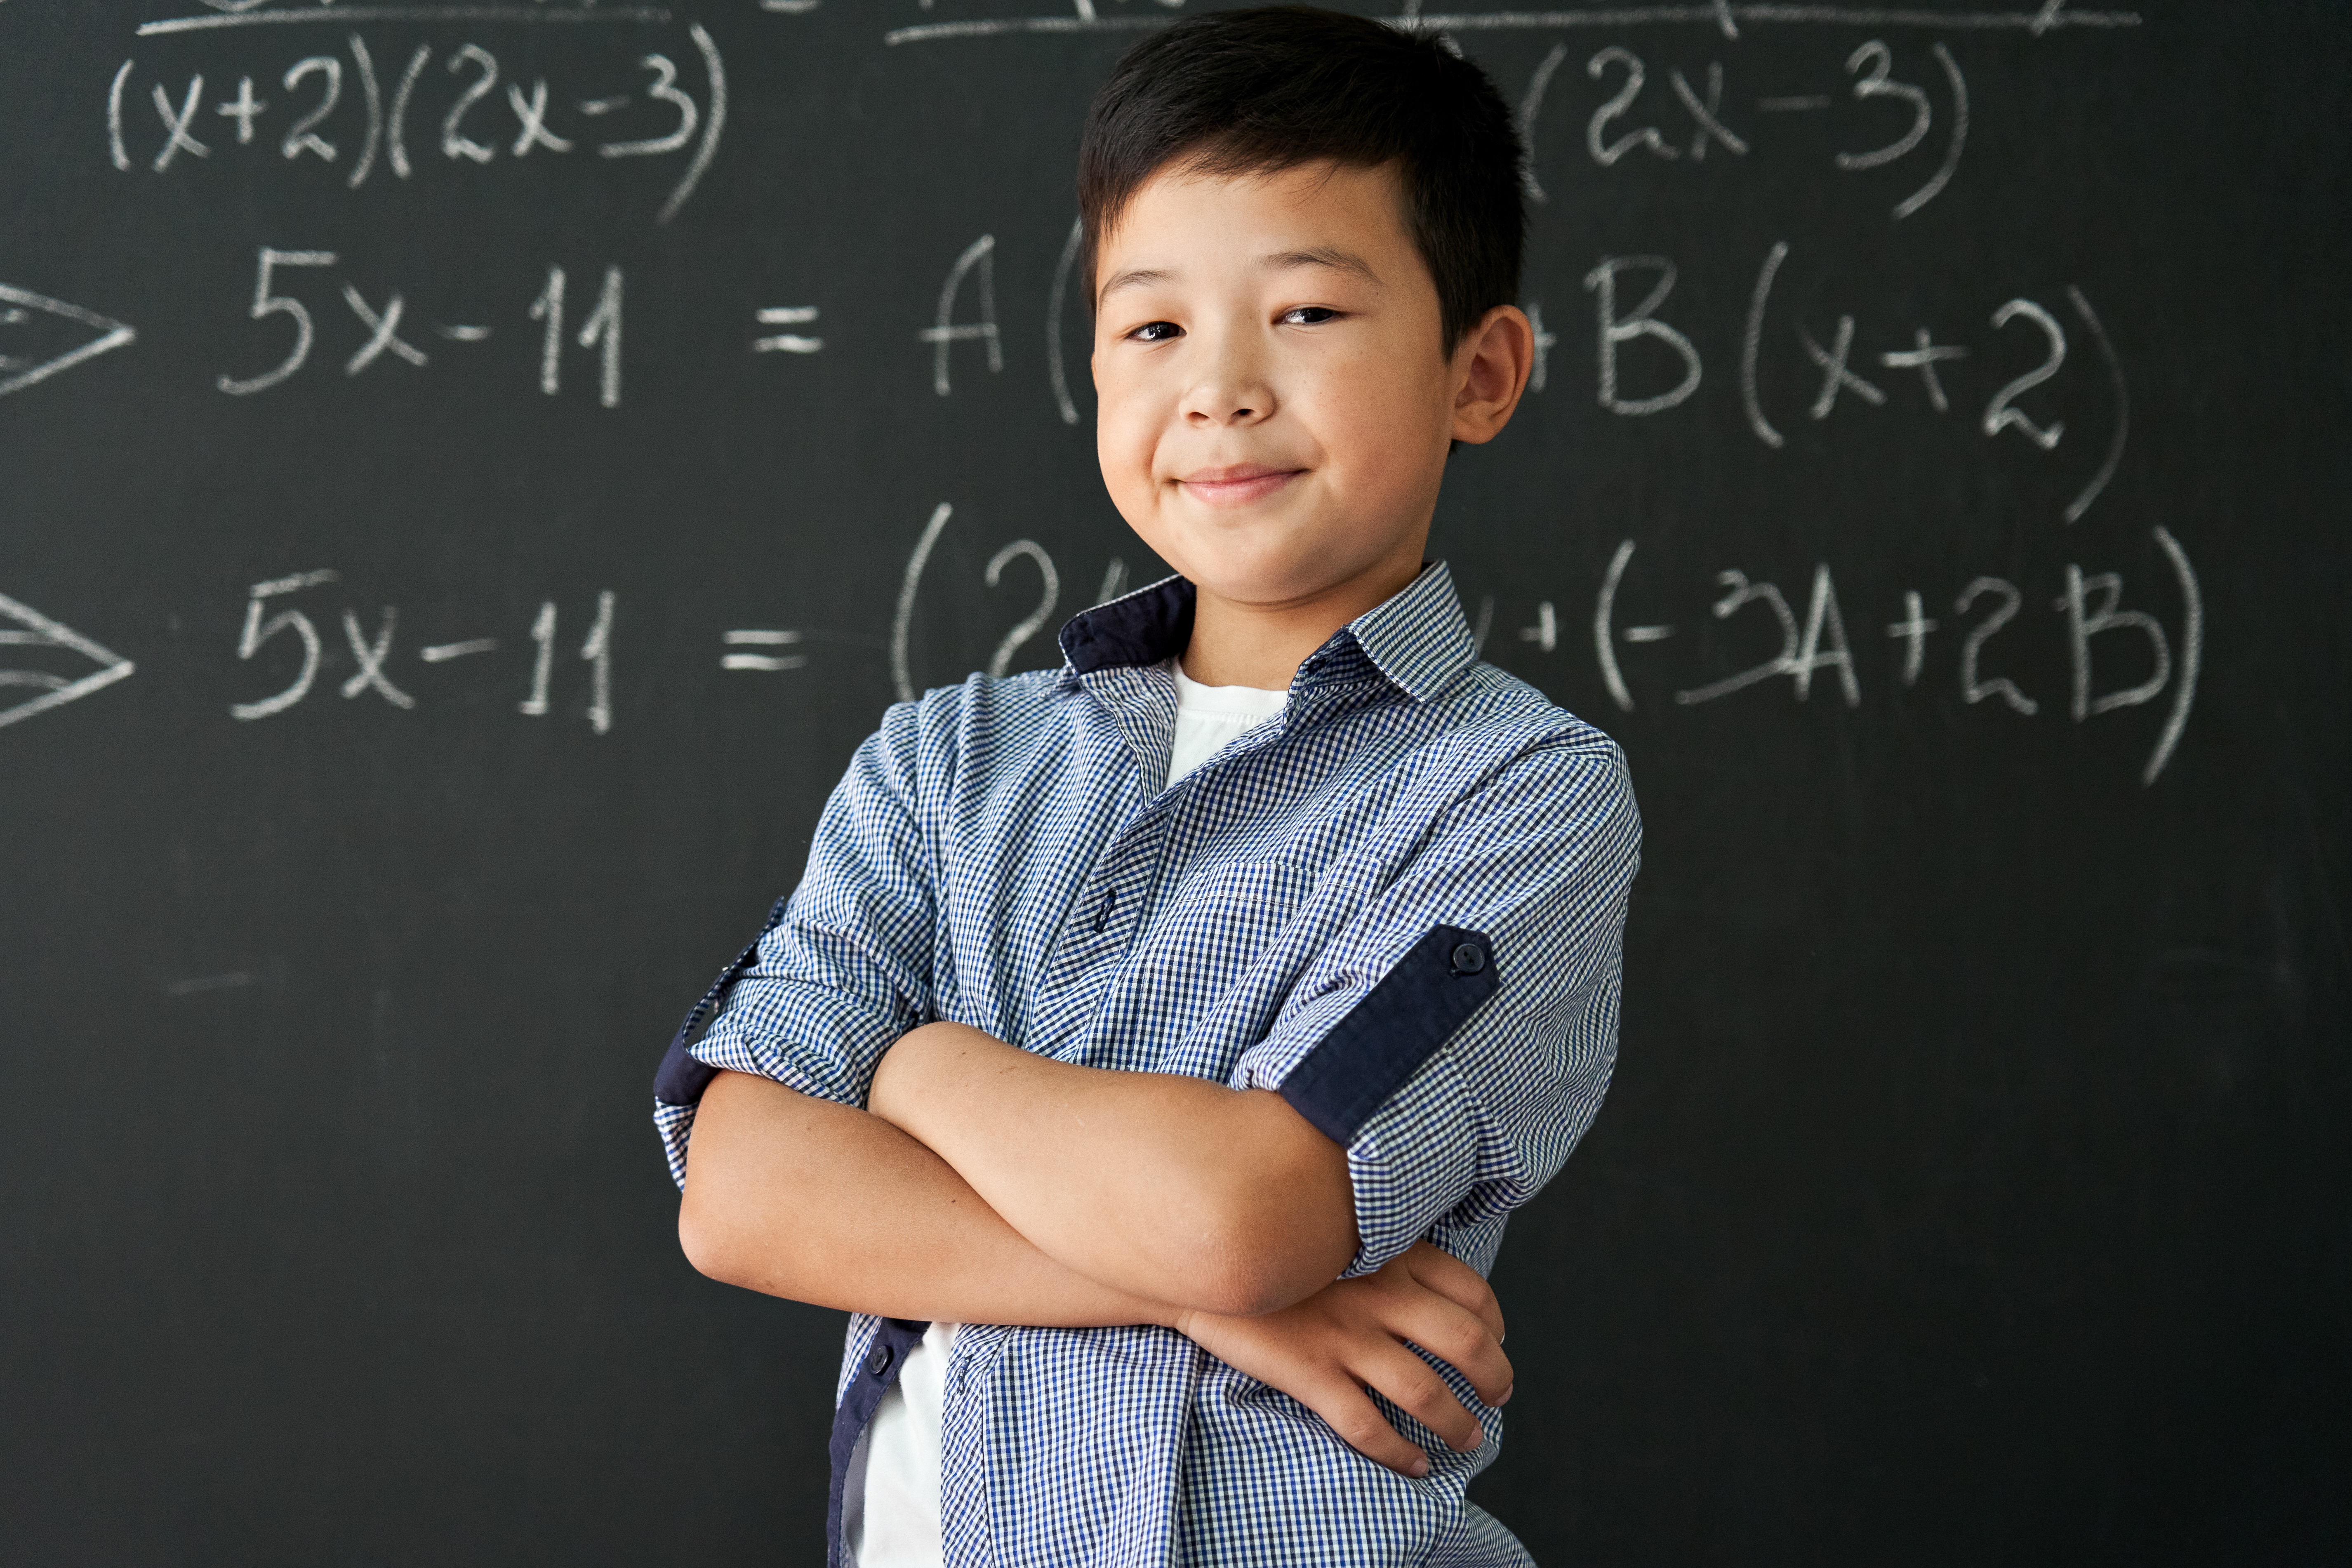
point(474, 472)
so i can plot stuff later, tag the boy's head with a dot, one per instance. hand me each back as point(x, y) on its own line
point(1303, 235)
point(1254, 93)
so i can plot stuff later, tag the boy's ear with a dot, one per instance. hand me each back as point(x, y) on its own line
point(1491, 365)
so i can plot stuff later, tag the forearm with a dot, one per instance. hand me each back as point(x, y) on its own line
point(802, 1198)
point(1171, 1187)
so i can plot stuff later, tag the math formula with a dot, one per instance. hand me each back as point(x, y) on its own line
point(434, 111)
point(583, 140)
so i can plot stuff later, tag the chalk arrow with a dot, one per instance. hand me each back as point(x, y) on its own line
point(21, 625)
point(20, 308)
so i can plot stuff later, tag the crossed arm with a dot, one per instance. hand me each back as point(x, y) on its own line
point(987, 1185)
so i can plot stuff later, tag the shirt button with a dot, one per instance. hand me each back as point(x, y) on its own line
point(878, 1361)
point(1469, 959)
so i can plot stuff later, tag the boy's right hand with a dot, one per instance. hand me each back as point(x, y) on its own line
point(1327, 1350)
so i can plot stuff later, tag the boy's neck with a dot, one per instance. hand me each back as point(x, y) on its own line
point(1240, 643)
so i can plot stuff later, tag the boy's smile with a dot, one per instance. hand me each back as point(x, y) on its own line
point(1237, 485)
point(1276, 402)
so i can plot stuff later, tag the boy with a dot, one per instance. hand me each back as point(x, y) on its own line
point(1184, 1023)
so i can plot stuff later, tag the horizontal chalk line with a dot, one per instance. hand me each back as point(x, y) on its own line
point(2035, 21)
point(208, 982)
point(345, 15)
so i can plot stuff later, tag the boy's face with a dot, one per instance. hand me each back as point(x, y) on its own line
point(1276, 410)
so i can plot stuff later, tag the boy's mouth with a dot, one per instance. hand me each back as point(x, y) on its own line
point(1237, 485)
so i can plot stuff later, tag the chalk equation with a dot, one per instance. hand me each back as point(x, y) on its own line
point(1976, 620)
point(2119, 654)
point(437, 110)
point(2006, 373)
point(377, 325)
point(270, 611)
point(1896, 123)
point(2023, 342)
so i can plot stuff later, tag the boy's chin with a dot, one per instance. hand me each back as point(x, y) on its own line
point(1274, 577)
point(1268, 555)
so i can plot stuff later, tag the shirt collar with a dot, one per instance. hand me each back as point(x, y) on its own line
point(1144, 627)
point(1416, 639)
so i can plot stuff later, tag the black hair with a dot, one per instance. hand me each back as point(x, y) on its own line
point(1261, 90)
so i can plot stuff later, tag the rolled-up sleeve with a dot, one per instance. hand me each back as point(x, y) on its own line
point(1457, 1037)
point(843, 967)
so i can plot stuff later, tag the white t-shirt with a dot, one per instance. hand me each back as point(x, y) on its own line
point(1209, 716)
point(891, 1500)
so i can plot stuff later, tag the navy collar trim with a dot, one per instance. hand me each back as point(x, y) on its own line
point(1416, 640)
point(1145, 626)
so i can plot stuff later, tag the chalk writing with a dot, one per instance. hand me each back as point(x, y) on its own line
point(2118, 655)
point(1730, 20)
point(2089, 607)
point(2026, 345)
point(374, 650)
point(25, 630)
point(228, 14)
point(1614, 328)
point(1030, 624)
point(764, 663)
point(1619, 125)
point(945, 332)
point(370, 99)
point(1039, 615)
point(382, 320)
point(787, 343)
point(43, 337)
point(342, 112)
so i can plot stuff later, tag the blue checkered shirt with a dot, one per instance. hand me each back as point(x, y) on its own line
point(1399, 903)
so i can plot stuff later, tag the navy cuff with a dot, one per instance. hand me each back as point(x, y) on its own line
point(681, 1079)
point(1398, 1026)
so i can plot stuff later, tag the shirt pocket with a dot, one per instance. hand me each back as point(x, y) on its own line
point(1220, 926)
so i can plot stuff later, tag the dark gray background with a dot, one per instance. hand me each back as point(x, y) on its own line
point(1972, 1188)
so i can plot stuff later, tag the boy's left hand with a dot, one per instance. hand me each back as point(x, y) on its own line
point(1348, 1338)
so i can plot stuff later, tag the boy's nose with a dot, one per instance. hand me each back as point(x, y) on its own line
point(1228, 404)
point(1232, 391)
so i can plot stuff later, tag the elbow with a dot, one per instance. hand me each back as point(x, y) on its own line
point(1257, 1251)
point(1237, 1274)
point(1275, 1226)
point(1249, 1288)
point(705, 1243)
point(716, 1247)
point(1281, 1273)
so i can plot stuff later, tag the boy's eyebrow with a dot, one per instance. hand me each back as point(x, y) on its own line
point(1322, 256)
point(1338, 261)
point(1134, 277)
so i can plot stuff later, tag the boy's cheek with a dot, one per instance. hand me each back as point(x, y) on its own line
point(1126, 472)
point(1126, 441)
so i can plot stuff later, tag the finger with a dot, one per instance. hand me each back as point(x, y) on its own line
point(1411, 1385)
point(1437, 1269)
point(1456, 1337)
point(1358, 1422)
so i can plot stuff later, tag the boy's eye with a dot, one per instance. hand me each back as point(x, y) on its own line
point(1308, 316)
point(1156, 331)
